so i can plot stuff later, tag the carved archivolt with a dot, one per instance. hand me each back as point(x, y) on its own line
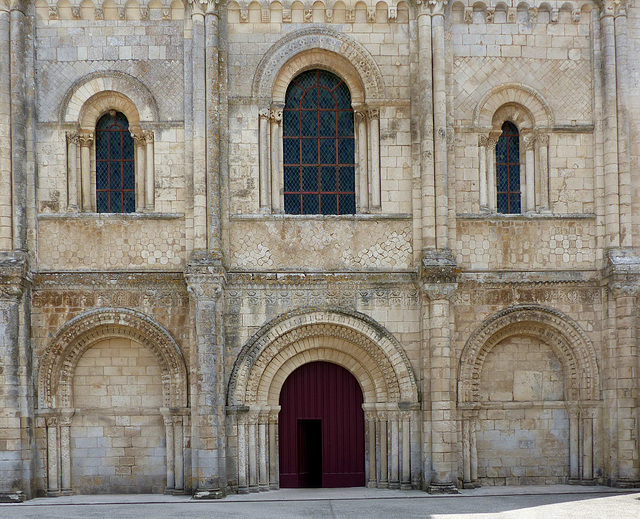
point(349, 339)
point(337, 52)
point(124, 86)
point(539, 111)
point(58, 363)
point(566, 338)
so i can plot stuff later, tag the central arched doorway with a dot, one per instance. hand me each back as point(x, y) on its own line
point(321, 428)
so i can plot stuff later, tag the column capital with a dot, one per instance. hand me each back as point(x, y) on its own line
point(85, 138)
point(622, 272)
point(203, 6)
point(14, 275)
point(438, 267)
point(276, 115)
point(529, 139)
point(264, 113)
point(205, 275)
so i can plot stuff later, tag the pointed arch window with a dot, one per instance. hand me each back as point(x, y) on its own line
point(508, 170)
point(115, 167)
point(318, 145)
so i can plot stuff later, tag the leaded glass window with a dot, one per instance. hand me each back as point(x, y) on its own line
point(319, 144)
point(115, 177)
point(508, 170)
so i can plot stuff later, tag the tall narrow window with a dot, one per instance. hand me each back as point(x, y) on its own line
point(318, 140)
point(508, 170)
point(115, 177)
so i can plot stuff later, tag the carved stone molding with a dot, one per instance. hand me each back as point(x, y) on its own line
point(14, 275)
point(350, 332)
point(58, 362)
point(438, 266)
point(317, 38)
point(205, 275)
point(566, 338)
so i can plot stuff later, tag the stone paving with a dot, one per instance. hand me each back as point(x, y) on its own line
point(560, 501)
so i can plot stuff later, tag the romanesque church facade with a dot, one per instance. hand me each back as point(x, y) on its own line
point(254, 245)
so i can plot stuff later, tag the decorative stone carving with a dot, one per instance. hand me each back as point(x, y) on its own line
point(371, 15)
point(286, 15)
point(566, 338)
point(328, 15)
point(99, 13)
point(53, 12)
point(308, 15)
point(468, 15)
point(392, 14)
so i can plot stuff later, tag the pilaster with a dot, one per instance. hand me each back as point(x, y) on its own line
point(206, 279)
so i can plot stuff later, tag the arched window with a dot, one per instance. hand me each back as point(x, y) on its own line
point(319, 146)
point(115, 169)
point(508, 170)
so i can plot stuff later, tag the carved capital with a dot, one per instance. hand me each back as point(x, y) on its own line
point(492, 143)
point(438, 266)
point(148, 136)
point(543, 139)
point(14, 275)
point(437, 7)
point(52, 421)
point(66, 416)
point(85, 138)
point(374, 113)
point(264, 113)
point(276, 115)
point(529, 140)
point(482, 141)
point(203, 6)
point(205, 276)
point(139, 138)
point(360, 115)
point(439, 291)
point(73, 137)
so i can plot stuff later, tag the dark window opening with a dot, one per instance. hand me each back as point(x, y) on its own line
point(115, 170)
point(319, 146)
point(508, 170)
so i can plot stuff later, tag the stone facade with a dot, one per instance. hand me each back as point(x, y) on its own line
point(145, 351)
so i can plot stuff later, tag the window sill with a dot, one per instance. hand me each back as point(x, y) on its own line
point(113, 217)
point(320, 217)
point(526, 216)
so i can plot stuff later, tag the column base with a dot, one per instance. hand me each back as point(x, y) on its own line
point(442, 488)
point(12, 497)
point(624, 483)
point(54, 493)
point(574, 481)
point(470, 485)
point(209, 494)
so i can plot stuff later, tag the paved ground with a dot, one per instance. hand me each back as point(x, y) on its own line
point(557, 502)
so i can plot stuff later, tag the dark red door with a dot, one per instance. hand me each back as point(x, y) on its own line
point(321, 428)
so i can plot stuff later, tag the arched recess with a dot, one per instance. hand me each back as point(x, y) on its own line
point(86, 101)
point(269, 78)
point(108, 81)
point(319, 48)
point(565, 337)
point(75, 337)
point(532, 116)
point(582, 384)
point(508, 94)
point(351, 340)
point(55, 388)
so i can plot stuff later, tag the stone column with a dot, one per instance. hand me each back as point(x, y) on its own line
point(263, 422)
point(243, 485)
point(587, 447)
point(383, 440)
point(439, 285)
point(205, 279)
point(542, 171)
point(492, 190)
point(482, 156)
point(252, 444)
point(66, 416)
point(622, 110)
point(276, 159)
point(374, 144)
point(72, 172)
point(424, 115)
point(15, 376)
point(274, 466)
point(440, 124)
point(19, 123)
point(53, 460)
point(529, 141)
point(363, 159)
point(199, 129)
point(140, 144)
point(86, 142)
point(394, 448)
point(150, 182)
point(473, 450)
point(6, 217)
point(178, 450)
point(170, 443)
point(574, 445)
point(405, 482)
point(622, 275)
point(214, 124)
point(370, 417)
point(611, 180)
point(265, 187)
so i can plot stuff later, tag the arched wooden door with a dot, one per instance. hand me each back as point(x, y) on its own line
point(321, 428)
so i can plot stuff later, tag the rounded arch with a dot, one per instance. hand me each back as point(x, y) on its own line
point(318, 48)
point(98, 86)
point(103, 102)
point(346, 338)
point(58, 363)
point(566, 338)
point(511, 94)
